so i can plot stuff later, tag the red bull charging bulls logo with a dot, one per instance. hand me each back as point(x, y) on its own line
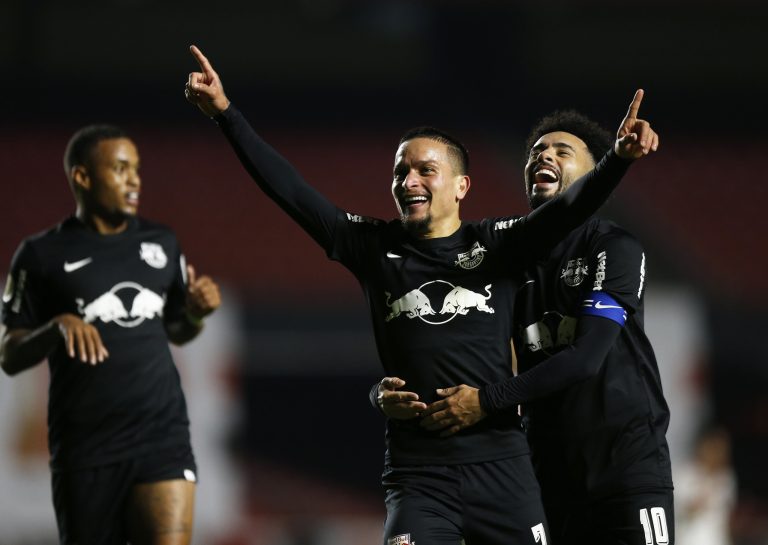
point(127, 304)
point(451, 301)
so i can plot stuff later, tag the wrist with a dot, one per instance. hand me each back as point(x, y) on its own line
point(485, 402)
point(192, 319)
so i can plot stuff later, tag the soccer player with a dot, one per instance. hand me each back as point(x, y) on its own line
point(589, 382)
point(440, 296)
point(100, 295)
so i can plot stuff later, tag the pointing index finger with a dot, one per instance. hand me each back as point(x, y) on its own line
point(634, 107)
point(205, 66)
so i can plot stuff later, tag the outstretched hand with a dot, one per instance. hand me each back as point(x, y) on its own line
point(459, 409)
point(204, 88)
point(635, 137)
point(398, 404)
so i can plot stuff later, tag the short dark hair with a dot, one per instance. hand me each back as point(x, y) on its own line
point(456, 150)
point(597, 139)
point(81, 144)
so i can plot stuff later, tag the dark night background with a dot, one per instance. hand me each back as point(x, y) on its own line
point(332, 84)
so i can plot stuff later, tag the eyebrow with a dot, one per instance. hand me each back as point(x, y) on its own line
point(556, 145)
point(418, 164)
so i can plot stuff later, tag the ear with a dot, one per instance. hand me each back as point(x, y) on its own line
point(463, 187)
point(80, 178)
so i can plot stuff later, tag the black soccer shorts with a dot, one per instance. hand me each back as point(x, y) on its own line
point(90, 503)
point(487, 503)
point(632, 518)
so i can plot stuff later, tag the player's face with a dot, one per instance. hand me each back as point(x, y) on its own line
point(556, 160)
point(113, 179)
point(427, 188)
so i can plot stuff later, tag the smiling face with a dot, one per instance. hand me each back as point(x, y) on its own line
point(108, 183)
point(428, 188)
point(555, 161)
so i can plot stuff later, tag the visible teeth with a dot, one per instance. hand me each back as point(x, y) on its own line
point(415, 198)
point(547, 172)
point(133, 195)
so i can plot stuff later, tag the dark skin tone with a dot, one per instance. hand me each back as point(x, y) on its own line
point(107, 189)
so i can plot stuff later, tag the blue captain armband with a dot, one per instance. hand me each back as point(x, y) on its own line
point(603, 305)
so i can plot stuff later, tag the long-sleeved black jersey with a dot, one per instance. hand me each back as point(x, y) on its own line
point(589, 381)
point(126, 285)
point(441, 308)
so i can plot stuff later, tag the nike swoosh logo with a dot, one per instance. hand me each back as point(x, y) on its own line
point(601, 306)
point(394, 256)
point(70, 267)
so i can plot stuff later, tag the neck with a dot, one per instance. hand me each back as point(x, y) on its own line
point(102, 224)
point(441, 229)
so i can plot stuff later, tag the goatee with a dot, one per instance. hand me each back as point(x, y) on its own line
point(416, 228)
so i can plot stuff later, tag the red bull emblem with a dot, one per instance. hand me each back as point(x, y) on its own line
point(402, 539)
point(472, 258)
point(575, 272)
point(153, 254)
point(110, 306)
point(453, 301)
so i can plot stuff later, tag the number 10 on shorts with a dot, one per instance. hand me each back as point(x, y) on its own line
point(654, 526)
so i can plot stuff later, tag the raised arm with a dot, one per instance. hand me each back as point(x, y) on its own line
point(552, 221)
point(279, 180)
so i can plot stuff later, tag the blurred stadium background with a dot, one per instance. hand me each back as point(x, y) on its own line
point(289, 452)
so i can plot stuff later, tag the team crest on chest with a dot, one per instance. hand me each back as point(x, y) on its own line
point(153, 254)
point(402, 539)
point(472, 258)
point(575, 272)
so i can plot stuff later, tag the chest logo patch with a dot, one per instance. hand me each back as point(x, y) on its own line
point(153, 254)
point(575, 272)
point(111, 306)
point(402, 539)
point(456, 300)
point(472, 258)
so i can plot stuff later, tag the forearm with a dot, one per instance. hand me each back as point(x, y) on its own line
point(21, 349)
point(576, 363)
point(184, 330)
point(279, 180)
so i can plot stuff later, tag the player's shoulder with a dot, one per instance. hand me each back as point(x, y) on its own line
point(366, 222)
point(145, 225)
point(38, 243)
point(609, 231)
point(146, 229)
point(500, 223)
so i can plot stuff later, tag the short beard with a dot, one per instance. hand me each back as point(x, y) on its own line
point(534, 201)
point(416, 228)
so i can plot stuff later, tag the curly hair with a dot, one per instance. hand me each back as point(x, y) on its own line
point(597, 139)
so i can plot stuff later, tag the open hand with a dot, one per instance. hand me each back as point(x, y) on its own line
point(81, 339)
point(398, 404)
point(459, 409)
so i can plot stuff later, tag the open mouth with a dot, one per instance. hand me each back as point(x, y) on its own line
point(545, 178)
point(132, 198)
point(413, 202)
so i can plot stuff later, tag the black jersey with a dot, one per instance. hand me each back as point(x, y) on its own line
point(126, 285)
point(441, 308)
point(605, 434)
